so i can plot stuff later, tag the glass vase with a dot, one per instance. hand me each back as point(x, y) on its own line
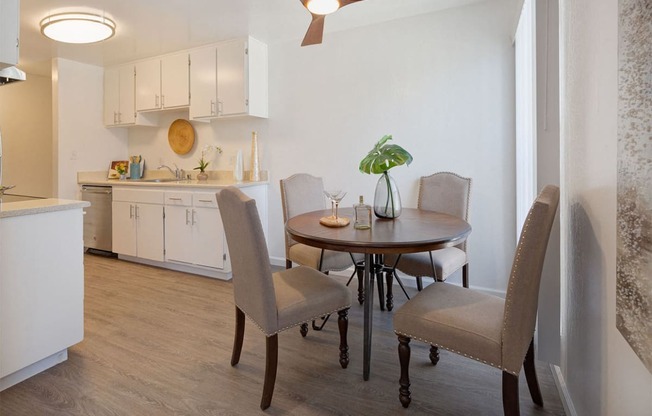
point(387, 199)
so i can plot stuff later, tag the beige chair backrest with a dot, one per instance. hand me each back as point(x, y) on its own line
point(253, 287)
point(300, 193)
point(522, 297)
point(446, 192)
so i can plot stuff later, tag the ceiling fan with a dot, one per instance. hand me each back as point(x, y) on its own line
point(319, 9)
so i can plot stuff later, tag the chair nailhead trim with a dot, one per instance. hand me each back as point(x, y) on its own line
point(517, 263)
point(455, 351)
point(293, 325)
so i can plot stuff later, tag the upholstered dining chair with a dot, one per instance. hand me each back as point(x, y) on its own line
point(273, 301)
point(498, 332)
point(445, 192)
point(301, 193)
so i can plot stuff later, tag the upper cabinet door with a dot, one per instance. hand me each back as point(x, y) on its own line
point(111, 96)
point(231, 82)
point(148, 85)
point(9, 18)
point(175, 81)
point(127, 100)
point(203, 83)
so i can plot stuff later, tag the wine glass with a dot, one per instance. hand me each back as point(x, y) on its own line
point(335, 196)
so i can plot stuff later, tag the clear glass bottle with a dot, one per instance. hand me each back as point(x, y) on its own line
point(362, 215)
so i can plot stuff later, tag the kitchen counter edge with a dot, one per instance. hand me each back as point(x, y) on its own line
point(174, 184)
point(39, 206)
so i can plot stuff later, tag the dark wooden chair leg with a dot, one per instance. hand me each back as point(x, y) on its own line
point(404, 359)
point(510, 394)
point(343, 325)
point(239, 336)
point(465, 275)
point(531, 375)
point(303, 329)
point(389, 281)
point(419, 283)
point(434, 355)
point(271, 363)
point(288, 264)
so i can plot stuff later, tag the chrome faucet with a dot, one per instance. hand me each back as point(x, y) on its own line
point(178, 173)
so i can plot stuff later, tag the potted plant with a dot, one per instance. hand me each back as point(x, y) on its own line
point(383, 157)
point(203, 162)
point(121, 168)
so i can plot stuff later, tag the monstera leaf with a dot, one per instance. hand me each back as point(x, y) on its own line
point(384, 156)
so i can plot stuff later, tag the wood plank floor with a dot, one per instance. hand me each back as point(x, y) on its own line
point(158, 342)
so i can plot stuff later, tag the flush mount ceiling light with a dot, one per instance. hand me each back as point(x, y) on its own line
point(77, 27)
point(323, 7)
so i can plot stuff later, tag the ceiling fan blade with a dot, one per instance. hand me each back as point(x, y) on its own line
point(315, 31)
point(347, 2)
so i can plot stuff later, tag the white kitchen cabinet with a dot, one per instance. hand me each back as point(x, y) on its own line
point(203, 83)
point(9, 32)
point(137, 224)
point(119, 99)
point(194, 233)
point(163, 83)
point(229, 79)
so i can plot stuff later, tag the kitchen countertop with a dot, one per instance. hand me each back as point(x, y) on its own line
point(219, 183)
point(217, 179)
point(38, 206)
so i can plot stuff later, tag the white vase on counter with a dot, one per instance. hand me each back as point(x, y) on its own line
point(238, 167)
point(255, 165)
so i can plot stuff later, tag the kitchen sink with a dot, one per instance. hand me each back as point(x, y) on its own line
point(159, 180)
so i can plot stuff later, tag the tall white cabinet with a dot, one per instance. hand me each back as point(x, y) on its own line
point(9, 32)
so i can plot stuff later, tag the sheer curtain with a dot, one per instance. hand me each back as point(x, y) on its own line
point(526, 133)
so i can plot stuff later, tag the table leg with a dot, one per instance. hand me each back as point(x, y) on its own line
point(368, 314)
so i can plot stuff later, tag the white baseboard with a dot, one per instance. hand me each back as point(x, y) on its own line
point(564, 395)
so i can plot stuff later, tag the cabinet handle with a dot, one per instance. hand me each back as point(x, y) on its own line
point(115, 119)
point(220, 107)
point(156, 100)
point(119, 117)
point(137, 212)
point(193, 217)
point(162, 100)
point(174, 199)
point(205, 200)
point(212, 107)
point(131, 211)
point(187, 221)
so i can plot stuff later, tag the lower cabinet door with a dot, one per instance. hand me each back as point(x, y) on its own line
point(178, 234)
point(150, 231)
point(124, 228)
point(208, 236)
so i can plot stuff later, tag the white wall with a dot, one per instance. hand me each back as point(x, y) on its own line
point(442, 84)
point(26, 125)
point(603, 375)
point(81, 142)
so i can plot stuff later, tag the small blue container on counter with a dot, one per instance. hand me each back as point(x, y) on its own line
point(134, 171)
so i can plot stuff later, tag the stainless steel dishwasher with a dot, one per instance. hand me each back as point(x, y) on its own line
point(97, 218)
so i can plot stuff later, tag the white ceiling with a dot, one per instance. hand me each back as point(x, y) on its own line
point(152, 27)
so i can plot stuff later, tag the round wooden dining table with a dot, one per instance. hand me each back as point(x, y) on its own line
point(412, 232)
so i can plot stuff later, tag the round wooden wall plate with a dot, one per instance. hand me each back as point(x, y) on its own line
point(181, 136)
